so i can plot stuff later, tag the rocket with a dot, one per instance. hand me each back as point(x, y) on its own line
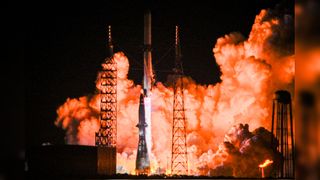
point(148, 77)
point(144, 125)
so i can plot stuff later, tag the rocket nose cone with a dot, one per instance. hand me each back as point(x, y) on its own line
point(147, 11)
point(147, 14)
point(148, 5)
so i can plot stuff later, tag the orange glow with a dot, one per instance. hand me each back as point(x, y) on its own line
point(168, 172)
point(266, 163)
point(251, 71)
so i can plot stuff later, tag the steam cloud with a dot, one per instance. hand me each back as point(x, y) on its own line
point(252, 69)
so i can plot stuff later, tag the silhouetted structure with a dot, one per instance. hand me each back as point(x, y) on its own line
point(61, 161)
point(179, 160)
point(282, 128)
point(106, 137)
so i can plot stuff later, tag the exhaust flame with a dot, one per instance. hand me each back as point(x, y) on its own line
point(252, 69)
point(266, 163)
point(263, 165)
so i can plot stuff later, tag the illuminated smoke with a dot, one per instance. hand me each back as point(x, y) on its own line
point(252, 69)
point(243, 151)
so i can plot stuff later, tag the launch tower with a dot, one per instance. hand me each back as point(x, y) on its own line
point(179, 159)
point(106, 137)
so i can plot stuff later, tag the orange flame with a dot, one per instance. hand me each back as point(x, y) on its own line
point(168, 172)
point(266, 163)
point(248, 67)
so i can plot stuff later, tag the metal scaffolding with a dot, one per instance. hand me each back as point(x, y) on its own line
point(282, 128)
point(179, 159)
point(107, 134)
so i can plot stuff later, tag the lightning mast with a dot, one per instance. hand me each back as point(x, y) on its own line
point(179, 159)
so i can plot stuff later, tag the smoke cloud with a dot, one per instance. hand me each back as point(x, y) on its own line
point(252, 69)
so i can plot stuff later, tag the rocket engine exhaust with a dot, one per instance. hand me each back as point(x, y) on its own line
point(252, 69)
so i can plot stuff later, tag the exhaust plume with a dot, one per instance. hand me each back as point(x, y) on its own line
point(252, 69)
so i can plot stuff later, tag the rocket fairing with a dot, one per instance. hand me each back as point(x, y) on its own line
point(148, 76)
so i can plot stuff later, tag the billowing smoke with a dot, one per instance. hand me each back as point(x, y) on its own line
point(252, 69)
point(242, 151)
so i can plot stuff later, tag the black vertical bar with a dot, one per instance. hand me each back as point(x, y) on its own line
point(281, 143)
point(292, 141)
point(272, 126)
point(285, 115)
point(278, 135)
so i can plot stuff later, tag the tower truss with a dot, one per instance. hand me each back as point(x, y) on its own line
point(179, 159)
point(107, 134)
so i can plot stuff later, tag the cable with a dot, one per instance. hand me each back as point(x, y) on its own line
point(164, 55)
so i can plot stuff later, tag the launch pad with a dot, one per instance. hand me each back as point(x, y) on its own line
point(122, 127)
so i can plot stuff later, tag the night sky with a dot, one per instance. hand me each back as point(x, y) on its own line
point(64, 45)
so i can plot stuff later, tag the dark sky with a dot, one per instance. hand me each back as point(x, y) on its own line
point(64, 45)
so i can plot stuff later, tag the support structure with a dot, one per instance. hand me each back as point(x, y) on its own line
point(106, 137)
point(282, 129)
point(107, 134)
point(179, 159)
